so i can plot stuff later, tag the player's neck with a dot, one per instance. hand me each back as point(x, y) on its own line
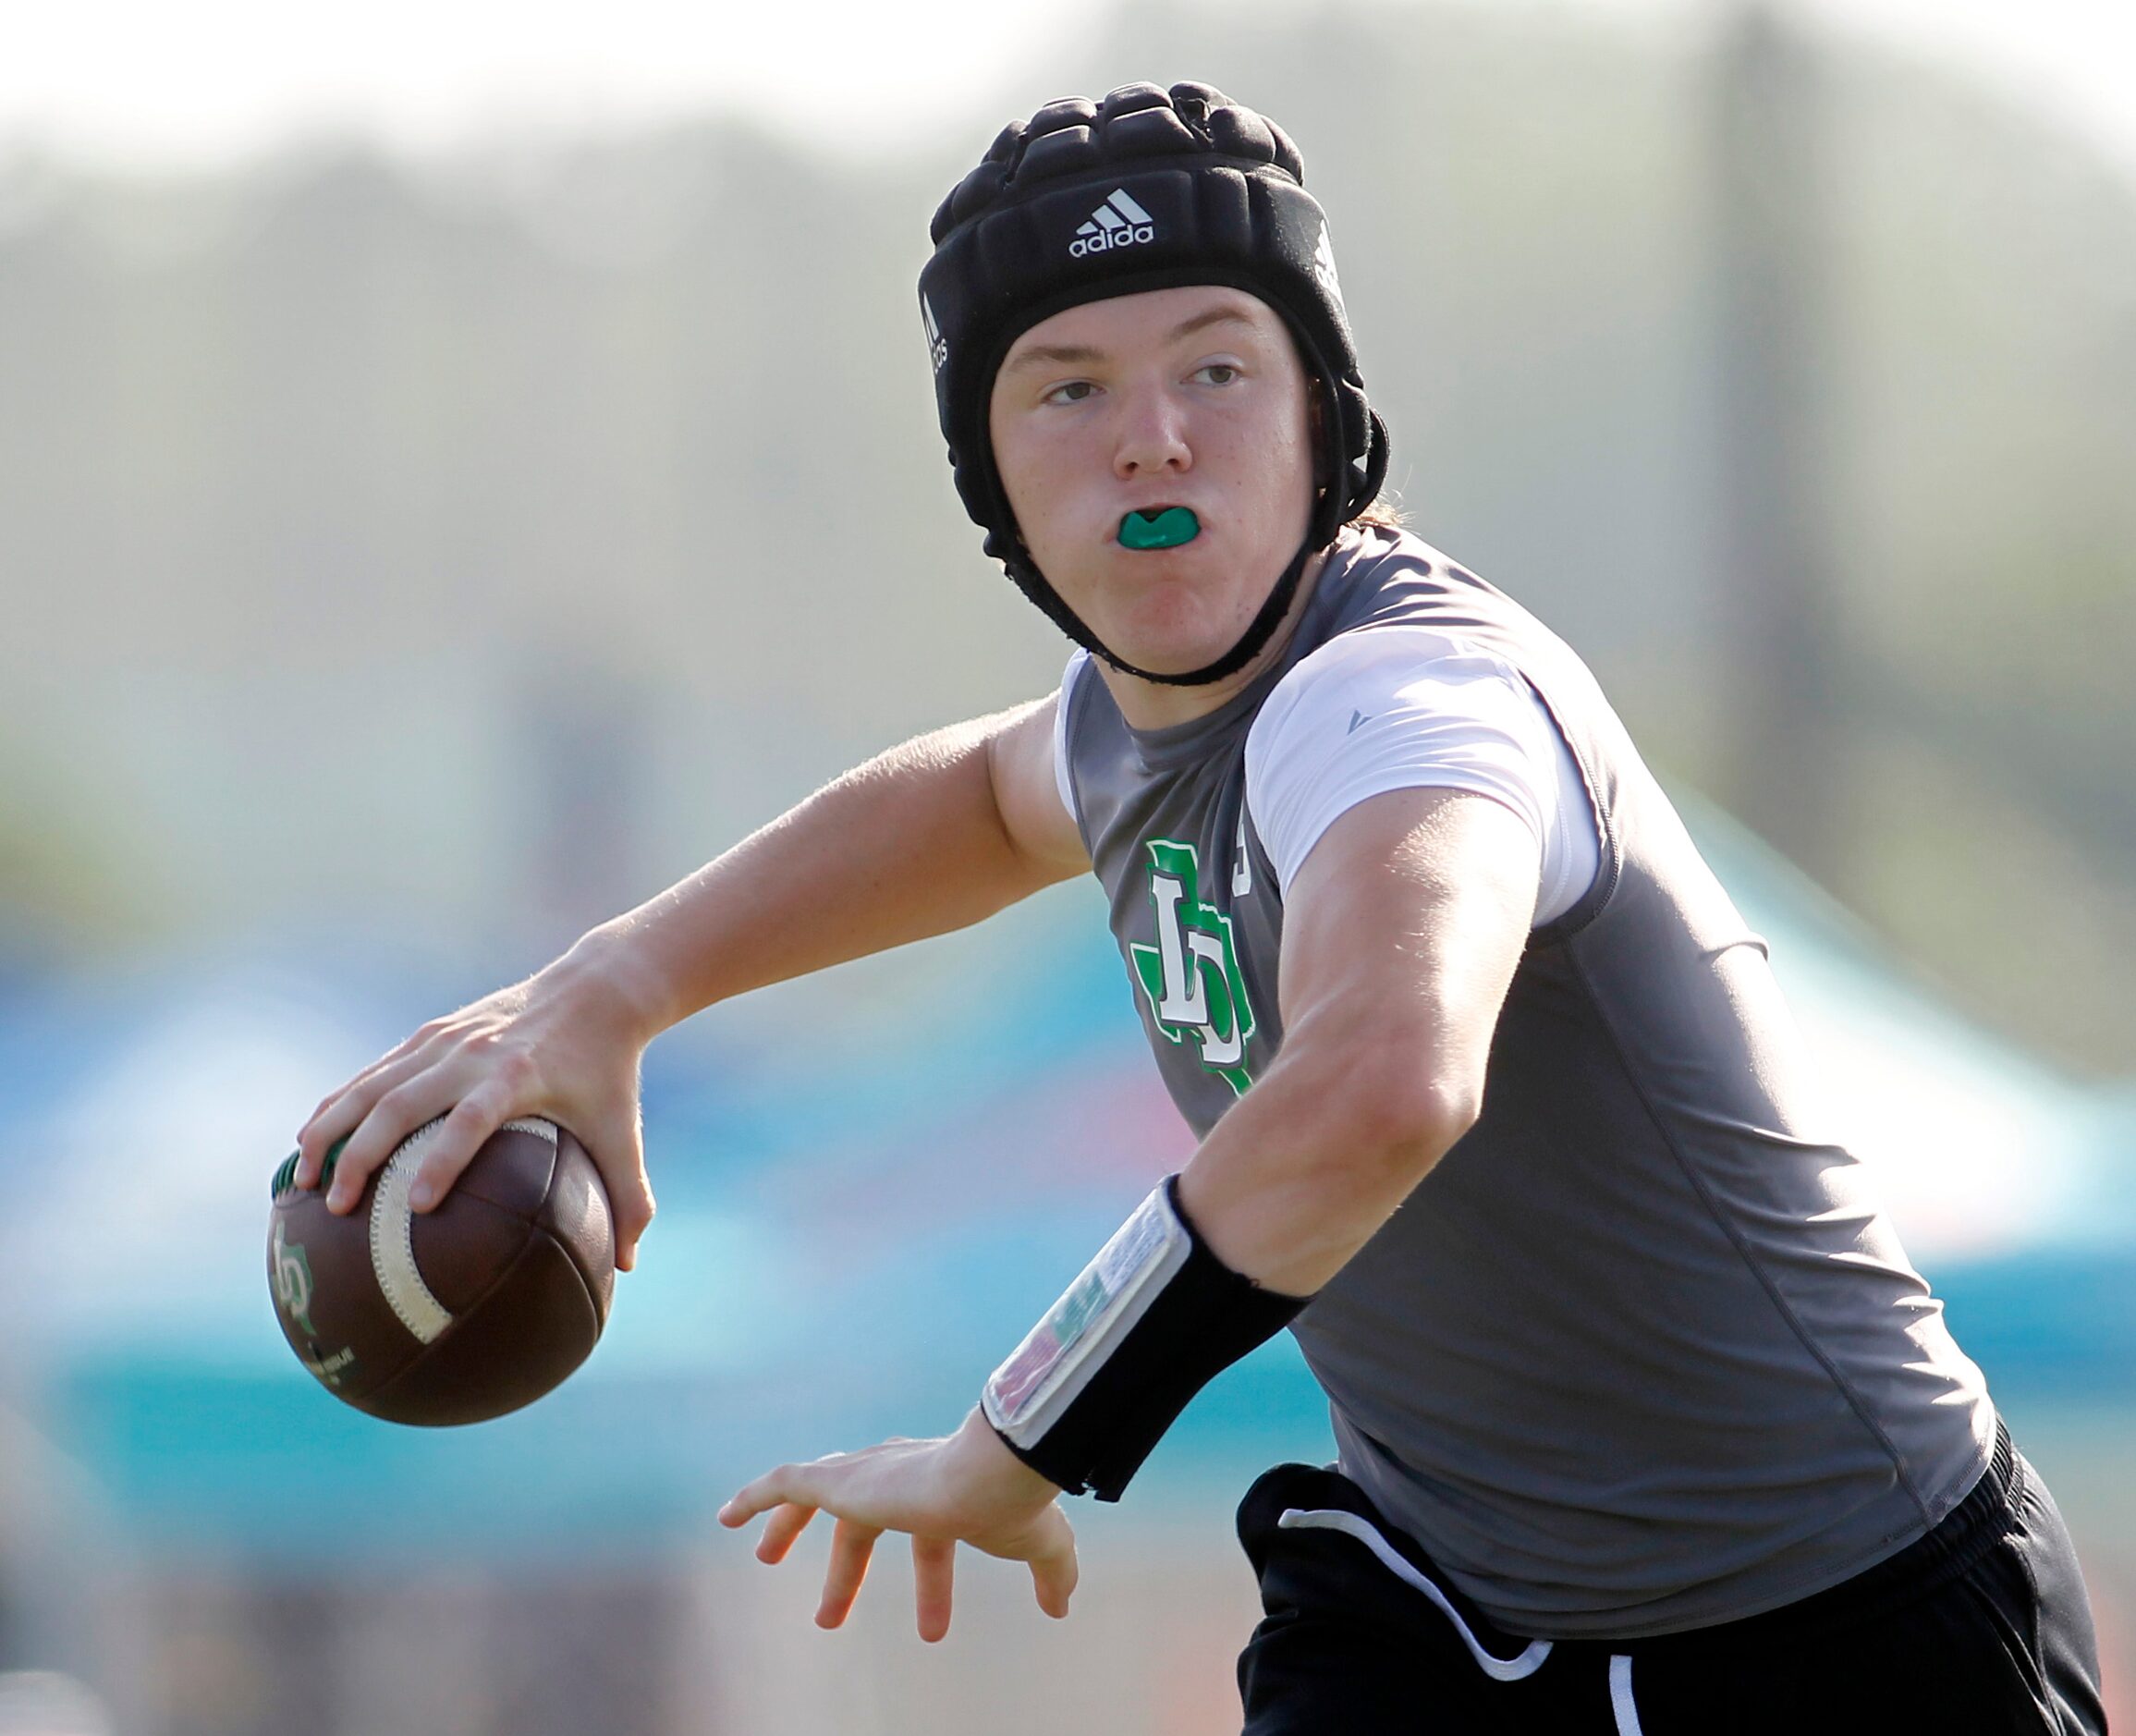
point(1155, 705)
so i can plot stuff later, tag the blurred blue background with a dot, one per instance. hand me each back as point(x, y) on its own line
point(431, 521)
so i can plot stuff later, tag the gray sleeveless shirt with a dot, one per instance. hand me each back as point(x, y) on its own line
point(1641, 1354)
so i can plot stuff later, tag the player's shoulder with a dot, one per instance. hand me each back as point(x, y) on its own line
point(1384, 577)
point(1372, 558)
point(1364, 667)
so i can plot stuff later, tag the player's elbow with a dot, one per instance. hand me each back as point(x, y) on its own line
point(1399, 1115)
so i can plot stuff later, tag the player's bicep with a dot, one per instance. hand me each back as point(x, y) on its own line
point(1020, 760)
point(1402, 930)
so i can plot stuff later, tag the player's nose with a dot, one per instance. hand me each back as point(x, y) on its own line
point(1153, 434)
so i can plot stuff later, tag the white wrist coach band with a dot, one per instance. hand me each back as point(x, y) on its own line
point(1151, 1321)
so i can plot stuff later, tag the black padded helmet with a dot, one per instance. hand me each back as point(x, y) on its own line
point(1149, 190)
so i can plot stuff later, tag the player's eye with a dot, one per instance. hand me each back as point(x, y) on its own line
point(1217, 373)
point(1070, 392)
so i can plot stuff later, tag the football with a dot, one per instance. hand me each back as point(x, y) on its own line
point(456, 1315)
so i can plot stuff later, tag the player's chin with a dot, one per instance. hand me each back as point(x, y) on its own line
point(1177, 651)
point(1176, 627)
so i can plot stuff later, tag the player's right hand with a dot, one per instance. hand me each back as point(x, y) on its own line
point(564, 1044)
point(967, 1487)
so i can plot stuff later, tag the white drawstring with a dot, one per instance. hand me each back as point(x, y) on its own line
point(1620, 1700)
point(1335, 1519)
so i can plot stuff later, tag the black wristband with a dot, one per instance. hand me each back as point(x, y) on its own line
point(1151, 1321)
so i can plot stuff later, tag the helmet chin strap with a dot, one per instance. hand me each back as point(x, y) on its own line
point(1259, 632)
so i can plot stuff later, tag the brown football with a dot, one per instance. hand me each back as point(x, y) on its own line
point(456, 1314)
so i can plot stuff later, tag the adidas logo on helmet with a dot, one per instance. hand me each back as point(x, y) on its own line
point(937, 345)
point(1323, 268)
point(1119, 222)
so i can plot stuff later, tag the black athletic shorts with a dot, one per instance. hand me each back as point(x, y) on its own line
point(1981, 1626)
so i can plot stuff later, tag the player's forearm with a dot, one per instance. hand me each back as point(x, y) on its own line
point(1404, 928)
point(908, 845)
point(1304, 1170)
point(1287, 1188)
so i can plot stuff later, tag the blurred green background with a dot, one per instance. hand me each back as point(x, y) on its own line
point(411, 558)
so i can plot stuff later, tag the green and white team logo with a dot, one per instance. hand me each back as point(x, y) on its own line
point(1191, 976)
point(293, 1287)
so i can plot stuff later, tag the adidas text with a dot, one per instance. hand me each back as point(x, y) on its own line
point(1119, 222)
point(1109, 239)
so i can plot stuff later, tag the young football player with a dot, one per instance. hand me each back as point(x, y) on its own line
point(1645, 1422)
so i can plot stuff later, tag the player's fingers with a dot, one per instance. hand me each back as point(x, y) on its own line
point(785, 1524)
point(341, 1114)
point(774, 1488)
point(1054, 1571)
point(342, 1110)
point(633, 1206)
point(311, 1158)
point(392, 1118)
point(852, 1544)
point(460, 1136)
point(618, 1151)
point(933, 1577)
point(316, 1137)
point(354, 1083)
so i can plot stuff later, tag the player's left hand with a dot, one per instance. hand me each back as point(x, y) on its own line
point(965, 1488)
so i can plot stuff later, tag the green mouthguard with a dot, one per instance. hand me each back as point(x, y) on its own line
point(1168, 529)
